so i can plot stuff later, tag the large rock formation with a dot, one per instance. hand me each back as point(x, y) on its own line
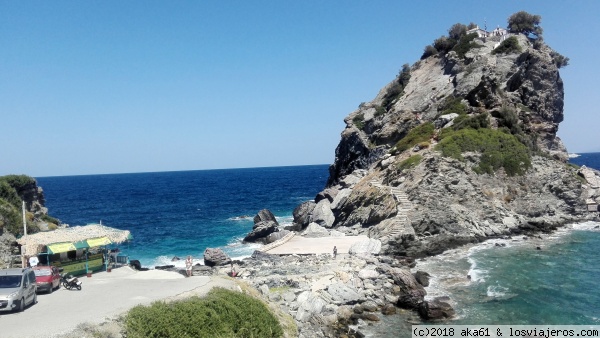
point(264, 225)
point(418, 201)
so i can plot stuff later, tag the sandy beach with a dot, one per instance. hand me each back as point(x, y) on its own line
point(104, 296)
point(315, 246)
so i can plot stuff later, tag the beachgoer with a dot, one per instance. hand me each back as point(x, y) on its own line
point(188, 266)
point(233, 273)
point(334, 252)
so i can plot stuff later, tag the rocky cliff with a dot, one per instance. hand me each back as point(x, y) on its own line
point(14, 189)
point(461, 146)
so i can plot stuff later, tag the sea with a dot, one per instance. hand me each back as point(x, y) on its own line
point(175, 214)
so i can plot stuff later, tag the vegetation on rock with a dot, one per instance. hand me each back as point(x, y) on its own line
point(222, 313)
point(422, 133)
point(525, 23)
point(497, 149)
point(508, 46)
point(410, 162)
point(397, 88)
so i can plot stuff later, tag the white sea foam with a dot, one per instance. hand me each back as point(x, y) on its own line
point(165, 260)
point(574, 155)
point(240, 218)
point(497, 291)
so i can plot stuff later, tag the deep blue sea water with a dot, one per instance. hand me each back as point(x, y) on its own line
point(182, 213)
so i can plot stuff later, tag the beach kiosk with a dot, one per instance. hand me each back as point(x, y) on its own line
point(77, 250)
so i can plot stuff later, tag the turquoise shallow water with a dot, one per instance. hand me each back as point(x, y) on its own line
point(516, 283)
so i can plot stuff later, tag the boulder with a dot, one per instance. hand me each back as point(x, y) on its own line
point(328, 194)
point(309, 304)
point(276, 236)
point(302, 213)
point(322, 214)
point(260, 231)
point(214, 257)
point(422, 277)
point(265, 216)
point(365, 247)
point(438, 308)
point(410, 294)
point(342, 294)
point(388, 309)
point(315, 230)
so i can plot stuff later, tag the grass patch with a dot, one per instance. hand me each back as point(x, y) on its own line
point(410, 162)
point(497, 149)
point(221, 314)
point(422, 133)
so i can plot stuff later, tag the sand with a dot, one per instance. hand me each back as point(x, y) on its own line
point(321, 245)
point(104, 296)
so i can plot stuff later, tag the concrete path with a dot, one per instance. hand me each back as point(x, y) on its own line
point(304, 245)
point(104, 295)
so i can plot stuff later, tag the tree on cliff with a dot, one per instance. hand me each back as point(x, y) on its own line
point(525, 23)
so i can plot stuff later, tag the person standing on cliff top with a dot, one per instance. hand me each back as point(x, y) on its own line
point(188, 266)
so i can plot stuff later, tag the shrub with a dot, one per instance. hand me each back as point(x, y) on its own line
point(465, 44)
point(410, 162)
point(359, 121)
point(497, 150)
point(508, 46)
point(559, 60)
point(379, 111)
point(397, 88)
point(444, 44)
point(457, 31)
point(474, 122)
point(422, 133)
point(222, 313)
point(428, 51)
point(453, 105)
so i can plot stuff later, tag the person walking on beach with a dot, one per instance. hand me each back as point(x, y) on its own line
point(188, 266)
point(334, 252)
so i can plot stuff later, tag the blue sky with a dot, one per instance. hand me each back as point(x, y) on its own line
point(90, 87)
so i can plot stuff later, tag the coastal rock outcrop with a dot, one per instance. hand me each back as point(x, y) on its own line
point(402, 178)
point(264, 225)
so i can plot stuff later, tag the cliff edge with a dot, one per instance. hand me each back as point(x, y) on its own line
point(459, 147)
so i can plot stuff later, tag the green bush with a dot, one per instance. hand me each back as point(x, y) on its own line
point(397, 88)
point(428, 51)
point(379, 111)
point(422, 133)
point(497, 149)
point(359, 121)
point(465, 44)
point(221, 314)
point(410, 162)
point(508, 46)
point(474, 122)
point(452, 105)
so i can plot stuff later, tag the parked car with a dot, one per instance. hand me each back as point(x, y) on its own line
point(17, 289)
point(47, 278)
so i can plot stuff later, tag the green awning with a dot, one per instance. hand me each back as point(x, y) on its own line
point(70, 246)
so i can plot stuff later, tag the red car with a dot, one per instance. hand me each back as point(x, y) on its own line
point(47, 278)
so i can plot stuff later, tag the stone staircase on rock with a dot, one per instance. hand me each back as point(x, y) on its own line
point(401, 221)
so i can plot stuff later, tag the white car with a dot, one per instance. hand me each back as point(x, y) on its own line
point(17, 289)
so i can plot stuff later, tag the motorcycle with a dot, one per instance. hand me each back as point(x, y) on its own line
point(69, 282)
